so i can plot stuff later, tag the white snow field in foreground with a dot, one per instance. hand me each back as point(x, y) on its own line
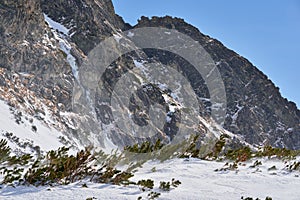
point(45, 137)
point(198, 177)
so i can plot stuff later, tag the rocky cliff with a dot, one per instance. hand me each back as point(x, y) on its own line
point(256, 109)
point(44, 48)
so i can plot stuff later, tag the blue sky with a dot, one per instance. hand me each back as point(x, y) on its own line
point(266, 32)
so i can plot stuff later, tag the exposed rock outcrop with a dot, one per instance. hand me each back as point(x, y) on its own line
point(48, 61)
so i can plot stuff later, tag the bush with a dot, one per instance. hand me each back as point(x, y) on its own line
point(269, 151)
point(12, 167)
point(256, 164)
point(219, 146)
point(191, 150)
point(250, 198)
point(153, 195)
point(228, 166)
point(59, 167)
point(146, 184)
point(166, 186)
point(293, 167)
point(145, 147)
point(4, 151)
point(240, 155)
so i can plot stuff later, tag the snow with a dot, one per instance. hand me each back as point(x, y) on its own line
point(141, 72)
point(56, 25)
point(172, 104)
point(168, 119)
point(117, 37)
point(236, 114)
point(65, 46)
point(130, 34)
point(218, 63)
point(290, 130)
point(211, 72)
point(25, 43)
point(198, 177)
point(138, 64)
point(44, 137)
point(71, 35)
point(109, 145)
point(249, 83)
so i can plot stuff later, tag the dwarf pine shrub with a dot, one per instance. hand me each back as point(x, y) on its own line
point(145, 147)
point(4, 151)
point(58, 167)
point(166, 186)
point(192, 150)
point(146, 184)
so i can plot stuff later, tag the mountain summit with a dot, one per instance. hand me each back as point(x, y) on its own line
point(52, 77)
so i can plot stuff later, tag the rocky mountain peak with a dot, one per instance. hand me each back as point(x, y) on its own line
point(88, 22)
point(255, 104)
point(172, 21)
point(45, 44)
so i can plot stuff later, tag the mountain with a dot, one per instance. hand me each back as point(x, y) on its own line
point(69, 67)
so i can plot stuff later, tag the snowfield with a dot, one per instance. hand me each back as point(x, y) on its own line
point(199, 178)
point(45, 137)
point(199, 181)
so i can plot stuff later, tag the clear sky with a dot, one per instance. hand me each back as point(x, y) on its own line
point(266, 32)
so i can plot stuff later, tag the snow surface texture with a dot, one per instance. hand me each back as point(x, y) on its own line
point(199, 181)
point(45, 137)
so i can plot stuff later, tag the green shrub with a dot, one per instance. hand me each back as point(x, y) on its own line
point(153, 195)
point(250, 198)
point(166, 186)
point(145, 147)
point(218, 147)
point(228, 166)
point(239, 155)
point(59, 167)
point(4, 151)
point(272, 168)
point(255, 164)
point(111, 175)
point(269, 151)
point(12, 175)
point(175, 183)
point(91, 198)
point(146, 184)
point(12, 167)
point(191, 150)
point(293, 167)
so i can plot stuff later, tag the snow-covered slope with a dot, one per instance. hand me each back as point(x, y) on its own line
point(21, 129)
point(44, 47)
point(198, 177)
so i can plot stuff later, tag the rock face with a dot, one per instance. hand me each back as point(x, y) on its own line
point(27, 45)
point(89, 21)
point(256, 110)
point(48, 59)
